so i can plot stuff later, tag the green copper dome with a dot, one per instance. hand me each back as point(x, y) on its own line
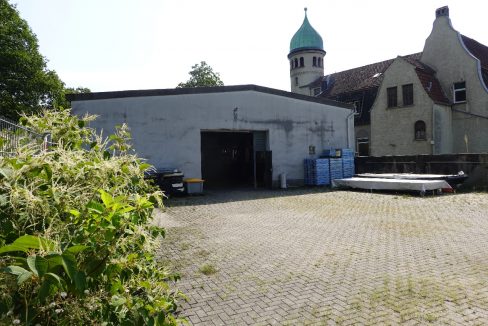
point(306, 38)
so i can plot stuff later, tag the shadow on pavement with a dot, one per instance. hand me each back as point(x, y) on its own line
point(215, 196)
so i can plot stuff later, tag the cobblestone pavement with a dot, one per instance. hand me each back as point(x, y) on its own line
point(308, 257)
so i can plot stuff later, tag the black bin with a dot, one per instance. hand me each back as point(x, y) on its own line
point(169, 180)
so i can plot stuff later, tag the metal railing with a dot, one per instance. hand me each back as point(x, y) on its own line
point(12, 136)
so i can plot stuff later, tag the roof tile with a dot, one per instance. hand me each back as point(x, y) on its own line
point(480, 51)
point(431, 85)
point(364, 77)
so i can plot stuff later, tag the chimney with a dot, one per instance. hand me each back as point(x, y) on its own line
point(443, 11)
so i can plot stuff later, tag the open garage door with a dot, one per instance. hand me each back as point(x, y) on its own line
point(227, 159)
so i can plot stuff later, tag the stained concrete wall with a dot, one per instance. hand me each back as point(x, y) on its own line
point(166, 129)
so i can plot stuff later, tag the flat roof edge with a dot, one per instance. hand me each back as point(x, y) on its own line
point(201, 90)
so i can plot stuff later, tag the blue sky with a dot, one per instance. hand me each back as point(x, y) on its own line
point(110, 45)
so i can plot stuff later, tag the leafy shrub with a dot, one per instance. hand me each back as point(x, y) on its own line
point(76, 245)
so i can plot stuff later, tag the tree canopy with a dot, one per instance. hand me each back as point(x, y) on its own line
point(63, 102)
point(202, 75)
point(26, 85)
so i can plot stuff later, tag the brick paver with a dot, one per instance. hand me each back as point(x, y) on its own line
point(310, 257)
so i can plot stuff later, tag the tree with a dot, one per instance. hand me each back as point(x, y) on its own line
point(26, 85)
point(63, 102)
point(202, 75)
point(77, 90)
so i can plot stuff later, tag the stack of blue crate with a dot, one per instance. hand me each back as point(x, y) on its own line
point(347, 163)
point(316, 172)
point(335, 168)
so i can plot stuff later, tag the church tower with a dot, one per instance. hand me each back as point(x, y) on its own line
point(306, 59)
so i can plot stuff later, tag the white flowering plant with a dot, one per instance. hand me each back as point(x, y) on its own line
point(76, 244)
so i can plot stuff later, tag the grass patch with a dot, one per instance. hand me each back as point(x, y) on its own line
point(410, 298)
point(185, 246)
point(202, 253)
point(207, 269)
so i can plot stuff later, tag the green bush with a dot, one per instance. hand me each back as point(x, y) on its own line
point(76, 246)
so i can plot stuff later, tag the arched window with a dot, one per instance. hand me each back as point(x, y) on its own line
point(296, 63)
point(420, 130)
point(302, 62)
point(296, 81)
point(314, 61)
point(291, 64)
point(320, 62)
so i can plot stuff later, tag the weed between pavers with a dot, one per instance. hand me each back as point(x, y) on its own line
point(185, 246)
point(207, 269)
point(409, 298)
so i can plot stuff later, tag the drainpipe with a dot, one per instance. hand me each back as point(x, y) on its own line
point(432, 142)
point(347, 124)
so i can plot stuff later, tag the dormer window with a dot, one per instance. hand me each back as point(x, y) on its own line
point(459, 92)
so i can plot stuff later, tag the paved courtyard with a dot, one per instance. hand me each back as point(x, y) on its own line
point(307, 257)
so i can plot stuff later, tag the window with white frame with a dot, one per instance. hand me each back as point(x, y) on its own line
point(362, 146)
point(459, 92)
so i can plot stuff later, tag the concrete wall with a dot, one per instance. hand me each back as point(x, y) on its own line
point(470, 132)
point(166, 129)
point(392, 129)
point(446, 53)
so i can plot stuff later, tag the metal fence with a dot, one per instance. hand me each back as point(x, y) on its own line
point(12, 136)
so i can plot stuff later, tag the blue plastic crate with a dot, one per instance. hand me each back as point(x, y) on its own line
point(347, 152)
point(316, 172)
point(334, 161)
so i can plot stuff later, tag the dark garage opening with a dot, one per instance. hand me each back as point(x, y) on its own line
point(227, 159)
